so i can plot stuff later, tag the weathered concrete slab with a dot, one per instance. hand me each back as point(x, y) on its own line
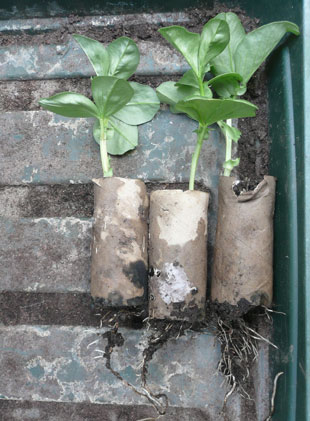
point(68, 60)
point(50, 254)
point(43, 148)
point(45, 254)
point(11, 201)
point(49, 363)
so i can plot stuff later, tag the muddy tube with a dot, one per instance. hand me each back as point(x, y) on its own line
point(120, 235)
point(178, 254)
point(243, 254)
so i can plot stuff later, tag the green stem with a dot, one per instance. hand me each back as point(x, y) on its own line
point(200, 138)
point(201, 87)
point(107, 170)
point(228, 150)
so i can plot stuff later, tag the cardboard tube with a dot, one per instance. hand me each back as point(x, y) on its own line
point(243, 255)
point(119, 248)
point(178, 254)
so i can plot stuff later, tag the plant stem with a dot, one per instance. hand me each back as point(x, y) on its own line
point(227, 171)
point(201, 87)
point(107, 170)
point(200, 138)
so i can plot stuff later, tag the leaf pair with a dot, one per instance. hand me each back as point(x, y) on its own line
point(191, 95)
point(123, 105)
point(198, 50)
point(122, 126)
point(129, 103)
point(119, 59)
point(244, 53)
point(110, 95)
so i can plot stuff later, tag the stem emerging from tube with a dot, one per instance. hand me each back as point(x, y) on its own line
point(200, 138)
point(227, 171)
point(107, 170)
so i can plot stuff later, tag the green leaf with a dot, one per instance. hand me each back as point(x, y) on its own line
point(208, 92)
point(225, 62)
point(187, 43)
point(214, 38)
point(70, 104)
point(124, 57)
point(121, 137)
point(188, 79)
point(227, 85)
point(141, 108)
point(96, 53)
point(208, 111)
point(258, 44)
point(232, 132)
point(231, 163)
point(170, 93)
point(110, 94)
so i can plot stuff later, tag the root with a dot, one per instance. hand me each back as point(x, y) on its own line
point(239, 346)
point(163, 331)
point(238, 337)
point(272, 408)
point(123, 316)
point(116, 339)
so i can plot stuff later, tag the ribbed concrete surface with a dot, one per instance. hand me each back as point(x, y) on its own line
point(45, 254)
point(48, 367)
point(41, 147)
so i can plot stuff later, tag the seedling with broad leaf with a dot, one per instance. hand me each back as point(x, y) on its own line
point(237, 63)
point(119, 106)
point(192, 94)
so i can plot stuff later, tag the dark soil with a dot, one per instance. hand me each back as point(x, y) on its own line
point(253, 146)
point(134, 26)
point(229, 312)
point(59, 201)
point(72, 200)
point(70, 309)
point(12, 410)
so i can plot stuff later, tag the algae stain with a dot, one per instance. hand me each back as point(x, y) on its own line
point(31, 174)
point(129, 374)
point(72, 372)
point(37, 371)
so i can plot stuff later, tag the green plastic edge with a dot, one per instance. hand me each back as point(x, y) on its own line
point(289, 124)
point(304, 331)
point(289, 131)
